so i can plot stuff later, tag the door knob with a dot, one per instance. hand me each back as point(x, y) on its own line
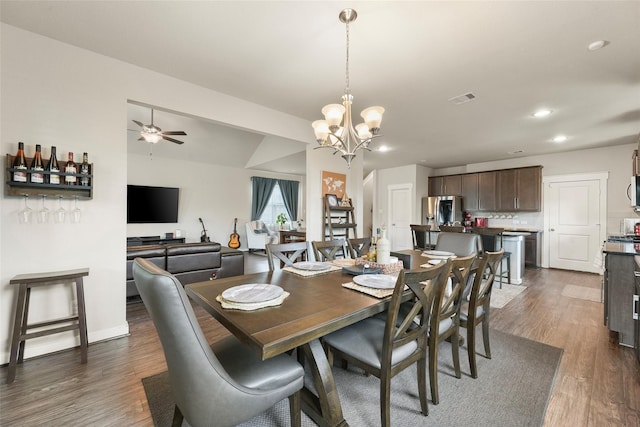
point(552, 229)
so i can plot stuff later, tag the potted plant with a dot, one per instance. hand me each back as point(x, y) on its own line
point(280, 220)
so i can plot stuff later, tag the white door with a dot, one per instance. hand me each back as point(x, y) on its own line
point(400, 209)
point(576, 218)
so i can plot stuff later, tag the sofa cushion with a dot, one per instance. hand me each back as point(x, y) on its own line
point(192, 257)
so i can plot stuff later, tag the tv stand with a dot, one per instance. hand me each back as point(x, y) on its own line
point(153, 240)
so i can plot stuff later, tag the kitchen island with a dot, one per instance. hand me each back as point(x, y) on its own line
point(618, 288)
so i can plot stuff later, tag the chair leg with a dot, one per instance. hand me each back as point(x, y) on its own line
point(471, 349)
point(177, 417)
point(422, 386)
point(455, 352)
point(295, 406)
point(385, 399)
point(485, 337)
point(433, 372)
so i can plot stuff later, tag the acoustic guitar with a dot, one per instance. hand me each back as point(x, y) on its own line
point(234, 239)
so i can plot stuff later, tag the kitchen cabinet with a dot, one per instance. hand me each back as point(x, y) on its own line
point(479, 191)
point(519, 189)
point(448, 185)
point(532, 250)
point(619, 287)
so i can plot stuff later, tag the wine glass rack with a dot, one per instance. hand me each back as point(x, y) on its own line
point(19, 189)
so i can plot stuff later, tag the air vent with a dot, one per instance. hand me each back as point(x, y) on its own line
point(516, 152)
point(461, 99)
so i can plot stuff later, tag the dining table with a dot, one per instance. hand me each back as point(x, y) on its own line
point(316, 305)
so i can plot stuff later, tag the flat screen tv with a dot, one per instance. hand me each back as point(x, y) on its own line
point(147, 204)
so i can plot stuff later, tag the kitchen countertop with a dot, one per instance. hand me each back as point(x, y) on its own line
point(621, 248)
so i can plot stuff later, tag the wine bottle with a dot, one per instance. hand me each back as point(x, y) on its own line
point(37, 167)
point(84, 170)
point(20, 163)
point(70, 167)
point(52, 167)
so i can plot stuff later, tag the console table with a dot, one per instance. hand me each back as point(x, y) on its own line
point(288, 236)
point(153, 240)
point(20, 325)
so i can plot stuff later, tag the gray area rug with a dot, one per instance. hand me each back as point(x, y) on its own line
point(512, 389)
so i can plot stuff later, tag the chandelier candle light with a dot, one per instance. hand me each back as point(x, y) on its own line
point(336, 131)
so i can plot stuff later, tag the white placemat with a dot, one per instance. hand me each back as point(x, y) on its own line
point(252, 305)
point(309, 273)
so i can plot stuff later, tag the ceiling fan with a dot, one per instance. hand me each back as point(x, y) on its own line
point(154, 134)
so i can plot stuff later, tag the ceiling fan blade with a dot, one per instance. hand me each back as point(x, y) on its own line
point(137, 122)
point(174, 132)
point(172, 140)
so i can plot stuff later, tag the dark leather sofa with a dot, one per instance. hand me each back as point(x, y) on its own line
point(189, 262)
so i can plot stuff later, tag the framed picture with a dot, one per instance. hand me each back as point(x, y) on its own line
point(333, 183)
point(332, 199)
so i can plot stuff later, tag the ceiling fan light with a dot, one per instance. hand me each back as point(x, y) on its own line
point(333, 115)
point(153, 138)
point(373, 117)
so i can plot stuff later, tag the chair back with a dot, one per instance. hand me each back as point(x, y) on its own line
point(448, 300)
point(287, 253)
point(483, 283)
point(452, 228)
point(328, 250)
point(359, 247)
point(420, 236)
point(461, 244)
point(491, 237)
point(401, 327)
point(199, 383)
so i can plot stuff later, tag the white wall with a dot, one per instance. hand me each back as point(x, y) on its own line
point(56, 94)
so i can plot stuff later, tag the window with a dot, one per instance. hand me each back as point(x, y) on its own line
point(274, 207)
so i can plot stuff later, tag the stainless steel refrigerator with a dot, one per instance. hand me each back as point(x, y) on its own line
point(441, 210)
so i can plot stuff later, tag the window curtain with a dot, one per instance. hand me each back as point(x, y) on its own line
point(289, 191)
point(262, 189)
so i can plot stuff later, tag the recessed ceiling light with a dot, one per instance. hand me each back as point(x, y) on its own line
point(559, 138)
point(383, 148)
point(598, 44)
point(542, 113)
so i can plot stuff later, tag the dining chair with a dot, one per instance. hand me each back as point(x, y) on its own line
point(420, 234)
point(445, 319)
point(385, 347)
point(287, 253)
point(328, 250)
point(477, 309)
point(461, 244)
point(359, 247)
point(223, 384)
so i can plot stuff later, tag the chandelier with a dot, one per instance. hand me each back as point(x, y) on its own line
point(336, 131)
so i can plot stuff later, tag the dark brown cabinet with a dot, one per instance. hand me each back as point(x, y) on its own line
point(470, 192)
point(519, 189)
point(449, 185)
point(486, 191)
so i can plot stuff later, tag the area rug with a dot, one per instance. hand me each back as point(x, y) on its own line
point(501, 297)
point(512, 389)
point(582, 292)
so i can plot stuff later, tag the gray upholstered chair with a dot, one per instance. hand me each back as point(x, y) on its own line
point(385, 347)
point(328, 250)
point(286, 253)
point(221, 385)
point(445, 320)
point(461, 244)
point(476, 310)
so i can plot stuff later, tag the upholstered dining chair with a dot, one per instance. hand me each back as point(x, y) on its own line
point(328, 250)
point(476, 310)
point(420, 234)
point(385, 347)
point(359, 247)
point(445, 320)
point(287, 253)
point(461, 244)
point(223, 384)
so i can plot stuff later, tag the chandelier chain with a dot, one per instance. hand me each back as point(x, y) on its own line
point(347, 89)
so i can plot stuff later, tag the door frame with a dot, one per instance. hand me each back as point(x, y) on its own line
point(602, 177)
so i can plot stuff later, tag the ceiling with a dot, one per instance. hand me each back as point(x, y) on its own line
point(409, 57)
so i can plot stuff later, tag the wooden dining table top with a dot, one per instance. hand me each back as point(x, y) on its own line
point(316, 306)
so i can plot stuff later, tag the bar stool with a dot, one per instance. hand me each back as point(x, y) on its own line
point(21, 326)
point(492, 242)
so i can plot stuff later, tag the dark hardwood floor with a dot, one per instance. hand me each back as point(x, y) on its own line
point(598, 383)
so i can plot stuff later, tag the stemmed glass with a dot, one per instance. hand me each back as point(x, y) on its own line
point(59, 213)
point(24, 216)
point(76, 212)
point(43, 214)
